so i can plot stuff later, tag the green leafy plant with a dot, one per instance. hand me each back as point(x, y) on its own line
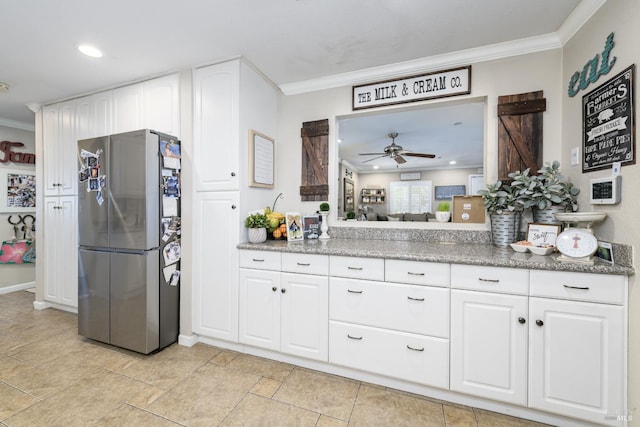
point(351, 215)
point(324, 207)
point(499, 197)
point(443, 207)
point(256, 220)
point(548, 188)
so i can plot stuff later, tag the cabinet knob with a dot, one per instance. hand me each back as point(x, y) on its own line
point(274, 289)
point(283, 290)
point(521, 320)
point(233, 174)
point(233, 206)
point(539, 322)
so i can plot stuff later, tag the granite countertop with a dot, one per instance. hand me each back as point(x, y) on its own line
point(460, 253)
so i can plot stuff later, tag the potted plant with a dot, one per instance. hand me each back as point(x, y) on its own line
point(351, 215)
point(442, 212)
point(257, 224)
point(324, 227)
point(546, 193)
point(501, 202)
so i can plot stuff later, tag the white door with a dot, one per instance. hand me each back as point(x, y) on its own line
point(259, 321)
point(60, 254)
point(216, 126)
point(215, 265)
point(576, 359)
point(162, 104)
point(305, 315)
point(126, 108)
point(489, 345)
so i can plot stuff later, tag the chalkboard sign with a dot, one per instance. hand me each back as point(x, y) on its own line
point(448, 191)
point(609, 123)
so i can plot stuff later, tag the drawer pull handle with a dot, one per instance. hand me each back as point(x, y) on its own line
point(411, 273)
point(582, 288)
point(415, 299)
point(354, 292)
point(302, 264)
point(415, 349)
point(522, 320)
point(354, 338)
point(489, 280)
point(355, 268)
point(257, 260)
point(539, 322)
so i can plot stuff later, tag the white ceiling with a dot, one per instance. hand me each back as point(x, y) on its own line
point(298, 44)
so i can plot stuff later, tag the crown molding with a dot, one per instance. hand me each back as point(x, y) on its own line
point(578, 17)
point(18, 125)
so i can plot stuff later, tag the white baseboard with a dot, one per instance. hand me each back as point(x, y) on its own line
point(40, 305)
point(18, 287)
point(187, 340)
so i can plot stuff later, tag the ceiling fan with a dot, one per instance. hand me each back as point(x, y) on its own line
point(396, 152)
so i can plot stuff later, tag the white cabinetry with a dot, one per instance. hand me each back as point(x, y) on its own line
point(215, 264)
point(216, 151)
point(285, 311)
point(60, 251)
point(93, 115)
point(127, 108)
point(161, 104)
point(394, 329)
point(59, 150)
point(577, 345)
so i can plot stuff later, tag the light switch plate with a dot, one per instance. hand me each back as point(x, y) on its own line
point(575, 156)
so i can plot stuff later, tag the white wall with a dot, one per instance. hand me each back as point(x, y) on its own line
point(526, 73)
point(11, 275)
point(621, 225)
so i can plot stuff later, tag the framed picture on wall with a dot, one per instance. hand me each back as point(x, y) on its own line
point(17, 190)
point(348, 192)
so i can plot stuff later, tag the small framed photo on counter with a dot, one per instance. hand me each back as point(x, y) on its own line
point(294, 226)
point(542, 234)
point(605, 252)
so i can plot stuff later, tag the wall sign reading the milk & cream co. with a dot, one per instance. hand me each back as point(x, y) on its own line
point(439, 84)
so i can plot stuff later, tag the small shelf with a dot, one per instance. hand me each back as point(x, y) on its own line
point(372, 196)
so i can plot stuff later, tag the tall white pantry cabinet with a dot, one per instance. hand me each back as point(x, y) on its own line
point(220, 168)
point(152, 104)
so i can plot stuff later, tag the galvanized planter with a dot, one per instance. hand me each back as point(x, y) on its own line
point(504, 228)
point(547, 216)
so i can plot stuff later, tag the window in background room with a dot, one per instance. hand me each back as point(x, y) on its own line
point(409, 196)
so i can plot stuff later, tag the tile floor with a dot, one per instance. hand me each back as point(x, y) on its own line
point(51, 377)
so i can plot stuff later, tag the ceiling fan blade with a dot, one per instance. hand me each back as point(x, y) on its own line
point(368, 160)
point(372, 154)
point(399, 159)
point(426, 156)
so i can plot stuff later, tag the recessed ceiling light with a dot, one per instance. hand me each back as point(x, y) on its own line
point(376, 167)
point(89, 50)
point(452, 162)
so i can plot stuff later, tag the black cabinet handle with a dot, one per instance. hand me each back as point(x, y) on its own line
point(233, 206)
point(274, 289)
point(522, 320)
point(539, 322)
point(233, 174)
point(488, 280)
point(283, 290)
point(354, 338)
point(415, 299)
point(355, 268)
point(414, 348)
point(410, 273)
point(354, 292)
point(582, 288)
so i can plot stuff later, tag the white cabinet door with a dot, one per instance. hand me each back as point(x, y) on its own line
point(260, 308)
point(215, 265)
point(127, 108)
point(93, 115)
point(161, 109)
point(60, 254)
point(59, 150)
point(577, 359)
point(216, 152)
point(489, 345)
point(305, 315)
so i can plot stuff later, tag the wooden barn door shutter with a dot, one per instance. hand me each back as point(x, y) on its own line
point(520, 133)
point(315, 156)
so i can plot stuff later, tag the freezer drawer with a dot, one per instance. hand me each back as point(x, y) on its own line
point(93, 295)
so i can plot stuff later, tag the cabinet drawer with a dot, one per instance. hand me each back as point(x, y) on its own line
point(357, 268)
point(263, 260)
point(490, 279)
point(305, 263)
point(416, 272)
point(408, 308)
point(603, 288)
point(399, 355)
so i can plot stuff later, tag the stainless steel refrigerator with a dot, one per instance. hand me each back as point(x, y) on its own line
point(129, 194)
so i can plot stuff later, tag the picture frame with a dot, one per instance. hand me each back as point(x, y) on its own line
point(261, 158)
point(311, 227)
point(17, 188)
point(348, 195)
point(543, 234)
point(295, 227)
point(605, 252)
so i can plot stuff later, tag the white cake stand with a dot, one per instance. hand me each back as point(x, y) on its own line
point(586, 218)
